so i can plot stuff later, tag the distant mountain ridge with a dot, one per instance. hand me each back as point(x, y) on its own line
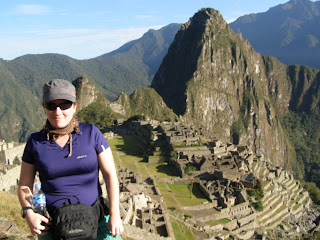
point(289, 32)
point(125, 70)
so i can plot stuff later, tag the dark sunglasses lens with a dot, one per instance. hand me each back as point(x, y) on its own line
point(50, 106)
point(63, 106)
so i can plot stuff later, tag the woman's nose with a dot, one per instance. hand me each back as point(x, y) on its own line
point(58, 110)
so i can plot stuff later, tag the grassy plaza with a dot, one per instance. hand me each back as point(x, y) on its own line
point(127, 154)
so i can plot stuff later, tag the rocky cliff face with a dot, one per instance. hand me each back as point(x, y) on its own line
point(214, 79)
point(87, 93)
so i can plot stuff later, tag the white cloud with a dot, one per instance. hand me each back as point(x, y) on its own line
point(31, 9)
point(75, 43)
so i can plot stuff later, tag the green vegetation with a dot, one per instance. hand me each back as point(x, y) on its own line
point(99, 115)
point(314, 191)
point(124, 70)
point(219, 221)
point(181, 193)
point(161, 170)
point(146, 102)
point(256, 196)
point(190, 169)
point(304, 132)
point(241, 125)
point(125, 144)
point(312, 236)
point(237, 129)
point(181, 231)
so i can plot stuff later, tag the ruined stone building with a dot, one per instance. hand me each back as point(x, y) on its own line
point(10, 163)
point(142, 204)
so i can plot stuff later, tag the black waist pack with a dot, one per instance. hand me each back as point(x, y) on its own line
point(77, 221)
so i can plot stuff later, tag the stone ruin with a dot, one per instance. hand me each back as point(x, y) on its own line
point(142, 205)
point(224, 172)
point(10, 164)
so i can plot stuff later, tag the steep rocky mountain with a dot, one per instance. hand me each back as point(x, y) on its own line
point(94, 108)
point(144, 102)
point(214, 79)
point(21, 80)
point(289, 32)
point(87, 93)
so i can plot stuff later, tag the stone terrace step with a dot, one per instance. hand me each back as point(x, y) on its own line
point(256, 168)
point(272, 201)
point(288, 183)
point(246, 235)
point(267, 212)
point(275, 215)
point(304, 197)
point(266, 185)
point(285, 181)
point(297, 208)
point(277, 221)
point(293, 186)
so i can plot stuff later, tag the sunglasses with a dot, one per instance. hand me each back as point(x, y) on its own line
point(63, 106)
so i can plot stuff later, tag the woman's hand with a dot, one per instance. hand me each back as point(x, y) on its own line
point(38, 224)
point(115, 225)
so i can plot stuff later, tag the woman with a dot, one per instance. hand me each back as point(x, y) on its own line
point(68, 156)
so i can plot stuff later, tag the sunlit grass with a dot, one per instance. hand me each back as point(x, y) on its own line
point(181, 231)
point(131, 162)
point(143, 168)
point(10, 209)
point(161, 170)
point(183, 195)
point(219, 221)
point(168, 196)
point(126, 144)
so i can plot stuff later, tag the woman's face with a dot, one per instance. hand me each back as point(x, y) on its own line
point(58, 117)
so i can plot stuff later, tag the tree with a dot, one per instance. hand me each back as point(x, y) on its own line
point(189, 170)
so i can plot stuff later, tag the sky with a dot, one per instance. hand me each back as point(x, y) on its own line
point(84, 29)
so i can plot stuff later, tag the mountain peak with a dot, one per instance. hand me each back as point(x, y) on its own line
point(205, 30)
point(87, 93)
point(213, 79)
point(206, 15)
point(300, 6)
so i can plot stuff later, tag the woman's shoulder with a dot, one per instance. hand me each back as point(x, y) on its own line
point(38, 135)
point(88, 127)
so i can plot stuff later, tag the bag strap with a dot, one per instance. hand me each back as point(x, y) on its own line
point(67, 200)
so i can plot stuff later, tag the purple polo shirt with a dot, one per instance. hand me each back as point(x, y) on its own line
point(61, 176)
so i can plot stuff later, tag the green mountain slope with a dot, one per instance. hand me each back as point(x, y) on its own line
point(125, 70)
point(142, 104)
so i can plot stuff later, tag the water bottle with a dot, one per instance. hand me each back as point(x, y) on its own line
point(39, 201)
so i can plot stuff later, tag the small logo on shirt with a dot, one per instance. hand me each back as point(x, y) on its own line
point(83, 156)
